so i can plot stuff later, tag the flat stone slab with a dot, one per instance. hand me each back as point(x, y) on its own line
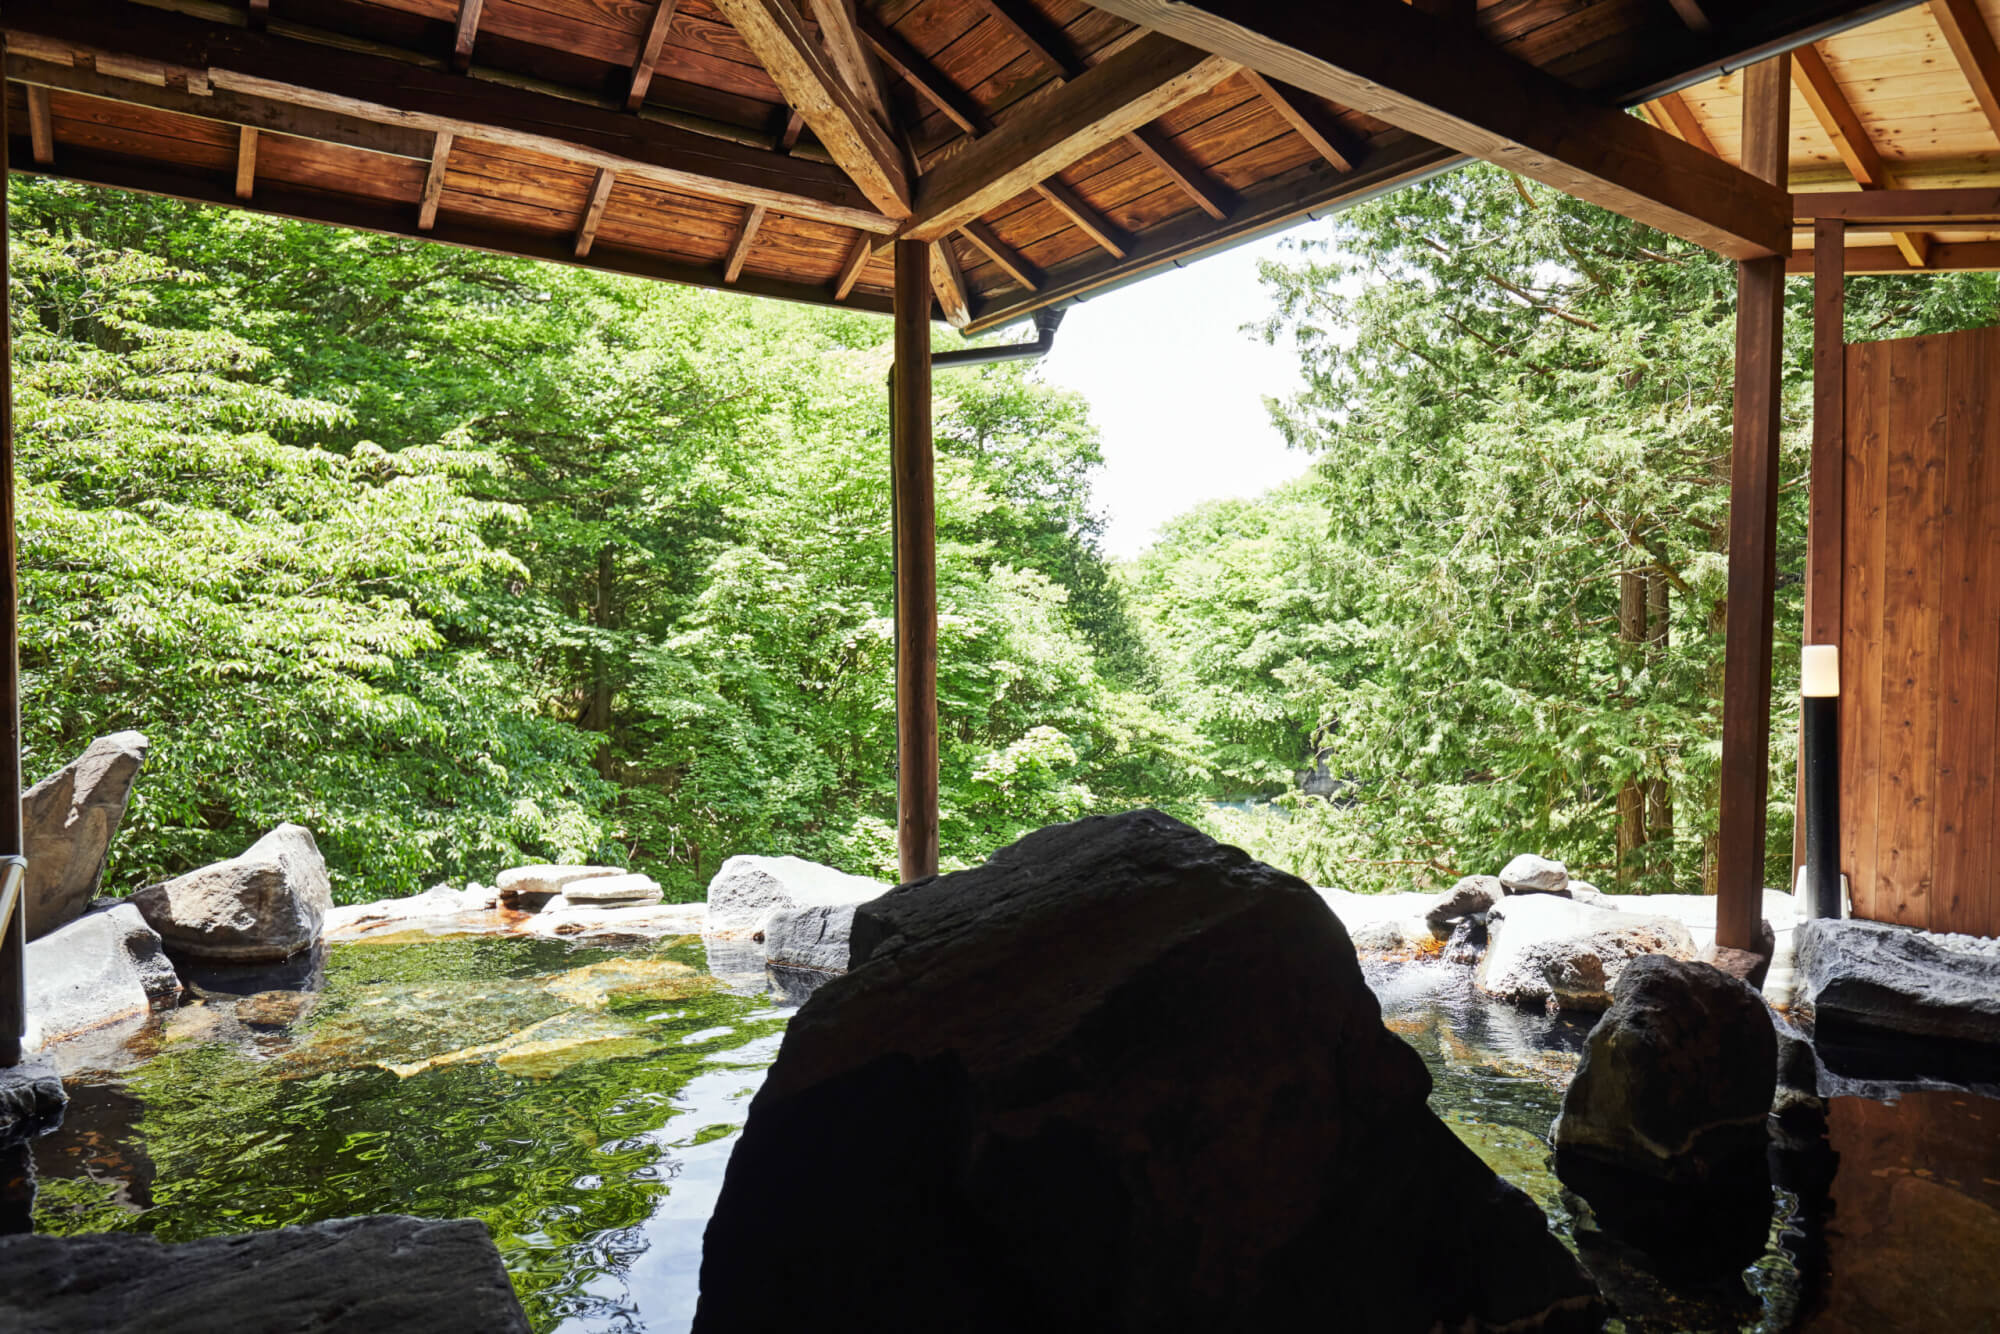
point(382, 1275)
point(622, 889)
point(541, 881)
point(31, 1101)
point(1899, 980)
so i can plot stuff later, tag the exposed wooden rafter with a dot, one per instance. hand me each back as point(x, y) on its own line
point(467, 33)
point(1005, 256)
point(371, 87)
point(246, 162)
point(840, 37)
point(1971, 42)
point(41, 125)
point(1140, 83)
point(948, 282)
point(850, 271)
point(1835, 115)
point(1672, 114)
point(427, 210)
point(1694, 13)
point(650, 43)
point(258, 15)
point(739, 249)
point(1308, 118)
point(776, 34)
point(593, 211)
point(1446, 83)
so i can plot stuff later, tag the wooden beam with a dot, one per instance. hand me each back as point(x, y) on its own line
point(1972, 204)
point(259, 15)
point(227, 108)
point(913, 502)
point(394, 219)
point(593, 212)
point(1005, 256)
point(840, 37)
point(468, 32)
point(776, 34)
point(1835, 115)
point(246, 162)
point(911, 66)
point(1944, 257)
point(739, 249)
point(1107, 102)
point(1694, 14)
point(1672, 114)
point(427, 209)
point(1971, 42)
point(41, 125)
point(1753, 534)
point(1448, 84)
point(850, 272)
point(1159, 150)
point(13, 926)
point(948, 281)
point(1106, 235)
point(377, 88)
point(649, 53)
point(1824, 555)
point(1308, 118)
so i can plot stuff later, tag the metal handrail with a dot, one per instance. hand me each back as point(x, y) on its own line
point(13, 959)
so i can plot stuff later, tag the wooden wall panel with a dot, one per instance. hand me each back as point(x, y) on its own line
point(1920, 631)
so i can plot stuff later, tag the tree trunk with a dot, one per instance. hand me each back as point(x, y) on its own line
point(1659, 797)
point(600, 692)
point(1631, 799)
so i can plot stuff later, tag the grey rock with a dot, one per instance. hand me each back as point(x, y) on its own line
point(386, 1274)
point(542, 881)
point(31, 1101)
point(809, 937)
point(104, 968)
point(1384, 937)
point(265, 904)
point(1751, 966)
point(1542, 947)
point(1871, 975)
point(68, 820)
point(1042, 1075)
point(748, 889)
point(622, 890)
point(1677, 1077)
point(1471, 896)
point(1529, 874)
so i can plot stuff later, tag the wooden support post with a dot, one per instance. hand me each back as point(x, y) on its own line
point(13, 933)
point(913, 505)
point(1753, 533)
point(1825, 554)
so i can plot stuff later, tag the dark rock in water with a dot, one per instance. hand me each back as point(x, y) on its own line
point(1870, 975)
point(382, 1275)
point(31, 1101)
point(1121, 1077)
point(1469, 897)
point(1467, 943)
point(1663, 1128)
point(68, 820)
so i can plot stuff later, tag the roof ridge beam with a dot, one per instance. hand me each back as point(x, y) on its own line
point(1439, 80)
point(1104, 103)
point(386, 90)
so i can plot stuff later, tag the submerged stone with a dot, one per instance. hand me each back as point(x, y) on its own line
point(1121, 1077)
point(382, 1275)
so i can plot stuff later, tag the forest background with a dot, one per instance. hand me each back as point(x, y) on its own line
point(464, 561)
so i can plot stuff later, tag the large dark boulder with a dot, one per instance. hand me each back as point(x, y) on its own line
point(31, 1102)
point(1121, 1077)
point(382, 1275)
point(1663, 1128)
point(1892, 979)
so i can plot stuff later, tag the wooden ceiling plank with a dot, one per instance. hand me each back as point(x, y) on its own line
point(434, 182)
point(850, 272)
point(467, 33)
point(246, 162)
point(377, 88)
point(1308, 118)
point(41, 125)
point(1835, 114)
point(1107, 102)
point(593, 212)
point(948, 282)
point(1673, 114)
point(776, 34)
point(1009, 259)
point(649, 53)
point(227, 108)
point(739, 249)
point(1448, 84)
point(1971, 42)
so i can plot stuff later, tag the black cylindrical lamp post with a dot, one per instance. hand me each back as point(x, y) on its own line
point(1819, 683)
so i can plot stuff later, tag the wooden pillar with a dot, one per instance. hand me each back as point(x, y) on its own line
point(915, 520)
point(1825, 555)
point(14, 933)
point(1753, 533)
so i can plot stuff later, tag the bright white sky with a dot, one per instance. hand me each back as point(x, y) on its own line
point(1177, 389)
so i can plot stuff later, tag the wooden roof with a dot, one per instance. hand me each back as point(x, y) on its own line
point(1048, 147)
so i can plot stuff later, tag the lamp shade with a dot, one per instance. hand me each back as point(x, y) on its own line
point(1819, 671)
